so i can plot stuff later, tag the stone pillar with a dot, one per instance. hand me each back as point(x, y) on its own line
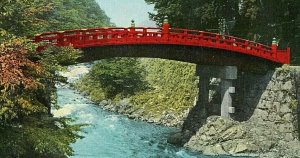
point(298, 86)
point(227, 89)
point(203, 94)
point(298, 98)
point(227, 75)
point(198, 114)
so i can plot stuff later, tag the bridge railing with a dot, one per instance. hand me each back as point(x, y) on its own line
point(82, 38)
point(232, 43)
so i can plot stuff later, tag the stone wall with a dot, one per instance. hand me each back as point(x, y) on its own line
point(271, 100)
point(297, 71)
point(267, 109)
point(249, 87)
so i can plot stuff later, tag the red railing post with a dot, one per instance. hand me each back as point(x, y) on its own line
point(60, 38)
point(247, 45)
point(77, 38)
point(132, 29)
point(37, 38)
point(218, 39)
point(165, 28)
point(144, 32)
point(274, 45)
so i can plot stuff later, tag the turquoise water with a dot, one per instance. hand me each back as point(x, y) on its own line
point(111, 135)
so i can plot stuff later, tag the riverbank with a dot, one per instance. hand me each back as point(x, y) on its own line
point(124, 107)
point(166, 100)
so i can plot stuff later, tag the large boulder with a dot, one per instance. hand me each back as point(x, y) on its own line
point(222, 136)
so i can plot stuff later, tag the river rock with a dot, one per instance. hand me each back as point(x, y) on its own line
point(176, 139)
point(214, 150)
point(222, 136)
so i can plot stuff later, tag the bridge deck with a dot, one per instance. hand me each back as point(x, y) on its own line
point(93, 37)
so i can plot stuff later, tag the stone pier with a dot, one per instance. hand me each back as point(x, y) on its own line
point(227, 74)
point(297, 78)
point(204, 107)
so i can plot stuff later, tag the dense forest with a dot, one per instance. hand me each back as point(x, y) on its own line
point(27, 78)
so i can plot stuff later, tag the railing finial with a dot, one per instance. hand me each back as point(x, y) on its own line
point(165, 27)
point(274, 44)
point(166, 21)
point(274, 41)
point(132, 23)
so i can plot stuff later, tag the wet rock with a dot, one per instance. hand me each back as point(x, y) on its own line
point(222, 136)
point(176, 139)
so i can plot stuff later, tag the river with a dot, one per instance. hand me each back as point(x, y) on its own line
point(110, 135)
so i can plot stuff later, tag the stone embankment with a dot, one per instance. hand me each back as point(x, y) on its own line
point(269, 114)
point(125, 107)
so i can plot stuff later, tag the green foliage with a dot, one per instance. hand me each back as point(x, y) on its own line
point(193, 14)
point(17, 79)
point(26, 18)
point(53, 58)
point(21, 17)
point(25, 75)
point(174, 87)
point(26, 85)
point(74, 14)
point(171, 84)
point(38, 137)
point(116, 77)
point(27, 78)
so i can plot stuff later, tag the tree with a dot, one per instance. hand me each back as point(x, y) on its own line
point(27, 77)
point(22, 18)
point(194, 14)
point(26, 18)
point(117, 77)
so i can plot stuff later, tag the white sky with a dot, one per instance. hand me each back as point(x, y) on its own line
point(122, 12)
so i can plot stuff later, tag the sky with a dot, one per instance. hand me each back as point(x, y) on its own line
point(122, 12)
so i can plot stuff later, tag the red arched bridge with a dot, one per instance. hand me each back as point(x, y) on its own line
point(87, 39)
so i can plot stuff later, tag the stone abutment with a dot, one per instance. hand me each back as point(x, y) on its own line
point(261, 115)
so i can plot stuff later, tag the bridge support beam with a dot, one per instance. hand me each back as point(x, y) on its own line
point(226, 90)
point(227, 74)
point(203, 95)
